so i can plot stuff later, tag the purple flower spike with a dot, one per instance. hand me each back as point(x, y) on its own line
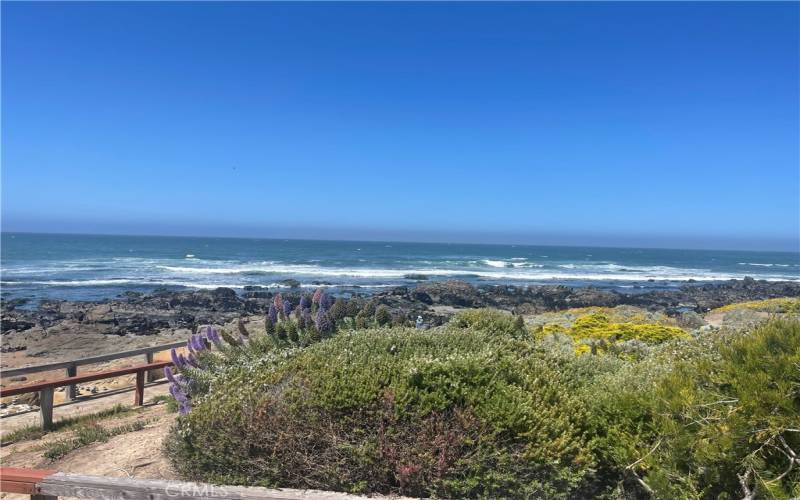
point(176, 358)
point(273, 313)
point(325, 301)
point(278, 301)
point(317, 295)
point(287, 308)
point(305, 303)
point(169, 375)
point(323, 321)
point(178, 393)
point(183, 361)
point(192, 361)
point(184, 408)
point(198, 342)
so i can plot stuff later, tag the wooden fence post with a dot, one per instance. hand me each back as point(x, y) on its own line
point(151, 375)
point(139, 395)
point(71, 391)
point(46, 408)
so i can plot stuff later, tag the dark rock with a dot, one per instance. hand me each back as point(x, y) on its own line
point(290, 283)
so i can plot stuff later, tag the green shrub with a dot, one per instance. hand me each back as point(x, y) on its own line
point(721, 424)
point(382, 316)
point(393, 410)
point(779, 305)
point(490, 321)
point(480, 408)
point(595, 332)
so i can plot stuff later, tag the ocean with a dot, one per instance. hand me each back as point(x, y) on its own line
point(95, 267)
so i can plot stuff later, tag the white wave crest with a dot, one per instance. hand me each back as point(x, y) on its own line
point(758, 264)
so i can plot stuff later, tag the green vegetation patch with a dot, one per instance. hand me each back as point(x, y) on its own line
point(483, 408)
point(86, 434)
point(34, 431)
point(446, 413)
point(595, 332)
point(781, 305)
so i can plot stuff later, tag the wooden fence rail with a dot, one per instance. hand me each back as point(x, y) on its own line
point(46, 389)
point(71, 367)
point(49, 485)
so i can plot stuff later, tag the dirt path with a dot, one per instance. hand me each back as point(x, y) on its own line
point(130, 454)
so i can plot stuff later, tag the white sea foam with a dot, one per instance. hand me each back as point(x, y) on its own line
point(758, 264)
point(587, 272)
point(497, 263)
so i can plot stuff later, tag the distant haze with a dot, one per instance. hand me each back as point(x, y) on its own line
point(627, 124)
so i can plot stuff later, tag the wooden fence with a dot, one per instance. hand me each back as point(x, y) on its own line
point(144, 373)
point(71, 367)
point(49, 485)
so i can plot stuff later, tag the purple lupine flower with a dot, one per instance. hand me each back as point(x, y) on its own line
point(325, 301)
point(305, 303)
point(192, 360)
point(273, 313)
point(199, 343)
point(323, 321)
point(287, 308)
point(307, 319)
point(213, 336)
point(211, 331)
point(177, 359)
point(169, 375)
point(183, 361)
point(317, 295)
point(177, 392)
point(184, 408)
point(278, 301)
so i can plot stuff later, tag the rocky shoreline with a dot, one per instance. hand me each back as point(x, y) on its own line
point(166, 311)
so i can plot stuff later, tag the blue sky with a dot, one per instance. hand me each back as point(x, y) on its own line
point(645, 124)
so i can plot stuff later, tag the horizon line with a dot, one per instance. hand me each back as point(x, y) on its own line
point(264, 238)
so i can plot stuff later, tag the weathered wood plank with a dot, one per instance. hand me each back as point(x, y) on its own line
point(46, 408)
point(138, 398)
point(90, 360)
point(148, 359)
point(72, 390)
point(25, 475)
point(17, 487)
point(107, 488)
point(89, 377)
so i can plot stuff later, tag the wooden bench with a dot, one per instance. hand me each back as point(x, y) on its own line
point(49, 485)
point(46, 389)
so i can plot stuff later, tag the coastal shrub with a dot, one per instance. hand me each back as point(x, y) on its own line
point(445, 413)
point(595, 332)
point(490, 321)
point(721, 422)
point(789, 305)
point(477, 408)
point(382, 316)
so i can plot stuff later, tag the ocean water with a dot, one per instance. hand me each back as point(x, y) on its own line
point(92, 267)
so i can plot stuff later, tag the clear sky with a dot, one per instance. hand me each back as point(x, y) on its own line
point(646, 124)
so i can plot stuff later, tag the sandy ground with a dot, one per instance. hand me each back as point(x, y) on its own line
point(133, 454)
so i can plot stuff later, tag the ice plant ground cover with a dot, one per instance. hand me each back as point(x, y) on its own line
point(487, 406)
